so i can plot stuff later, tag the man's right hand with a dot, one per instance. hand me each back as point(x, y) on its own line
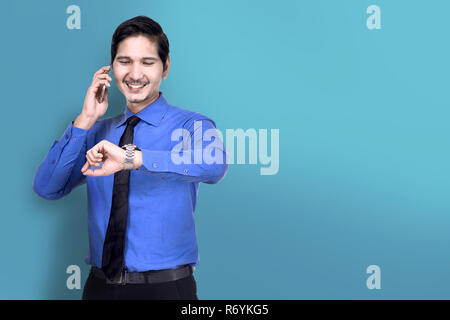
point(92, 108)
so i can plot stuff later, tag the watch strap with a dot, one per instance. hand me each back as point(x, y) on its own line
point(129, 155)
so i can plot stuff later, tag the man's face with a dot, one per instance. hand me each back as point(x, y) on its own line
point(138, 71)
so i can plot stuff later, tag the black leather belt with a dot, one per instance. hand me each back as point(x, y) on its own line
point(152, 276)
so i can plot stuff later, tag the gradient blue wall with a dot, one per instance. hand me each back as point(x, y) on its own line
point(364, 156)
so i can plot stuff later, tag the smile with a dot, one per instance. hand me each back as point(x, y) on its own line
point(135, 88)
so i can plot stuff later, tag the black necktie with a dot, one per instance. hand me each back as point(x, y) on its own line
point(113, 248)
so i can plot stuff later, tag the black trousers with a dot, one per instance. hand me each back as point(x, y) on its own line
point(181, 289)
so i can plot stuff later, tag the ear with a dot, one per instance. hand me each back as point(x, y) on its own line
point(166, 71)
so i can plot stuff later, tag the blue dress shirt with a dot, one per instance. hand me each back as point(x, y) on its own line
point(162, 194)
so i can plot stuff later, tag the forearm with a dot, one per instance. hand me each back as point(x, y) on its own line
point(204, 160)
point(84, 122)
point(161, 163)
point(56, 174)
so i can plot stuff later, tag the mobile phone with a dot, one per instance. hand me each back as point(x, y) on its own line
point(102, 95)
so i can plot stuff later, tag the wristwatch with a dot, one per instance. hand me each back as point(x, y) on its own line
point(129, 155)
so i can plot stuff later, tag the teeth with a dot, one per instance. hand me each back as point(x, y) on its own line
point(135, 87)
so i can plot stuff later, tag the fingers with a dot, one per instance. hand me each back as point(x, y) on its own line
point(103, 77)
point(94, 172)
point(102, 70)
point(100, 83)
point(97, 87)
point(94, 158)
point(85, 167)
point(86, 171)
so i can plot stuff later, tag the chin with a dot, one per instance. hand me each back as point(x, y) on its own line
point(138, 98)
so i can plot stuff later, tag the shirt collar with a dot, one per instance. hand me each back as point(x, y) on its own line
point(152, 114)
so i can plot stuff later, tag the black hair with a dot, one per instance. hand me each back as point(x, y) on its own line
point(141, 25)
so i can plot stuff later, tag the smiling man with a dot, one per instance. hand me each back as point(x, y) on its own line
point(141, 203)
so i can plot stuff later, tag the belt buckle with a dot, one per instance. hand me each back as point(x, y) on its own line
point(120, 278)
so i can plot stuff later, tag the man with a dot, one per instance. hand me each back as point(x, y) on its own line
point(142, 182)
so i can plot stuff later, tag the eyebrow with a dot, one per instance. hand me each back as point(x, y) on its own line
point(145, 58)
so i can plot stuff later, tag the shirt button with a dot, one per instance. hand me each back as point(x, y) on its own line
point(67, 136)
point(53, 161)
point(74, 139)
point(185, 170)
point(155, 165)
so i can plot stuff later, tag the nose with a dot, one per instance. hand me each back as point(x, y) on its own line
point(135, 74)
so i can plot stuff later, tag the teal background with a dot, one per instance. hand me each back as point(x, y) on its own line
point(364, 158)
